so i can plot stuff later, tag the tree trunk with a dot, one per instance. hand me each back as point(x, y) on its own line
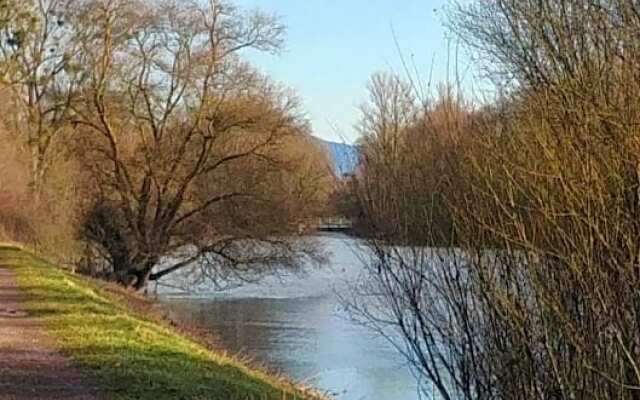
point(142, 278)
point(133, 274)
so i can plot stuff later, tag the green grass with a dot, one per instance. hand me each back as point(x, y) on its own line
point(126, 354)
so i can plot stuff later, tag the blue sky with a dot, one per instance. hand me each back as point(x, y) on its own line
point(333, 47)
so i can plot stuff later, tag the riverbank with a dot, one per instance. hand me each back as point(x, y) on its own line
point(127, 354)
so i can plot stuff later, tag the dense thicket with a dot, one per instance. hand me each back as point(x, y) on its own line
point(519, 272)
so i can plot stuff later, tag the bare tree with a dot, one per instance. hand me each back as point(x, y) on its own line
point(37, 50)
point(171, 113)
point(421, 298)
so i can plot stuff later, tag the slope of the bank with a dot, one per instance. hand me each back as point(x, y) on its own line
point(129, 355)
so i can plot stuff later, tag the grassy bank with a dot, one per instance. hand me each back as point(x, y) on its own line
point(127, 354)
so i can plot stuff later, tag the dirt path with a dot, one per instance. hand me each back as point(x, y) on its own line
point(30, 366)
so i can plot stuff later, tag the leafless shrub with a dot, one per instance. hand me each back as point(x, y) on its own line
point(536, 295)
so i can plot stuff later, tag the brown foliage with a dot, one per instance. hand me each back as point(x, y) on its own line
point(14, 187)
point(44, 222)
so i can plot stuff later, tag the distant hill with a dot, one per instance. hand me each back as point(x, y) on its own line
point(344, 157)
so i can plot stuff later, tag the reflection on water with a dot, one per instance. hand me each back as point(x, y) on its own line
point(305, 337)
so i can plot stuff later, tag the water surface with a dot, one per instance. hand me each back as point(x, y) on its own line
point(296, 325)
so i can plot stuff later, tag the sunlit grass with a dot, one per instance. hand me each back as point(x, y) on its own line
point(128, 355)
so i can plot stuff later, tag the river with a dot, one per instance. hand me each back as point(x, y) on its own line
point(295, 324)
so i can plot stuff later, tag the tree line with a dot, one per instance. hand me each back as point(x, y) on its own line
point(137, 134)
point(504, 235)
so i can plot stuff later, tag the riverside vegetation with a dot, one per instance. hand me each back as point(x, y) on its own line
point(136, 131)
point(518, 273)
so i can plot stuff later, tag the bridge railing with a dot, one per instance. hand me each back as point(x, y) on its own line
point(328, 224)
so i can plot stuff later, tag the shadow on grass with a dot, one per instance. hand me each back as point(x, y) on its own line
point(43, 378)
point(157, 373)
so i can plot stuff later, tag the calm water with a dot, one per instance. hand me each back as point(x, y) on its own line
point(295, 324)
